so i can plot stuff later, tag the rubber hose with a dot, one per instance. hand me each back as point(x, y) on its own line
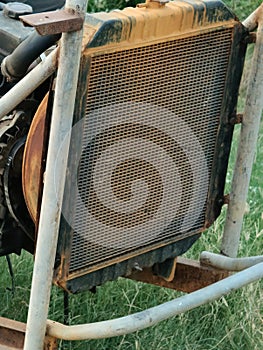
point(15, 66)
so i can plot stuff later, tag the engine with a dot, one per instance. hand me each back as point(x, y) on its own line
point(20, 48)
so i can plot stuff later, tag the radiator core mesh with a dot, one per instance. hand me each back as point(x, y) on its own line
point(150, 128)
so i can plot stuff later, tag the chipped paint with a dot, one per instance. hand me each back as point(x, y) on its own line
point(137, 25)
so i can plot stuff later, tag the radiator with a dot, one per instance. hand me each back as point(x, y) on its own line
point(150, 143)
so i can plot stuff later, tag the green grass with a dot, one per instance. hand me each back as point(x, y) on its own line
point(234, 322)
point(241, 7)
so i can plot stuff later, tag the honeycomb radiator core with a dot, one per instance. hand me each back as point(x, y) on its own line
point(148, 164)
point(143, 147)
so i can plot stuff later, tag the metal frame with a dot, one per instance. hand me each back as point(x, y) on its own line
point(37, 324)
point(247, 143)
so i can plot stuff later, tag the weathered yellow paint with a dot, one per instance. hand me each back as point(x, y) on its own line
point(112, 47)
point(154, 23)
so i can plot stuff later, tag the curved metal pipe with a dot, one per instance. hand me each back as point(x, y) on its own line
point(231, 264)
point(149, 317)
point(251, 22)
point(28, 84)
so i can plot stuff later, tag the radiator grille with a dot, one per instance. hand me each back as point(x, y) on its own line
point(149, 135)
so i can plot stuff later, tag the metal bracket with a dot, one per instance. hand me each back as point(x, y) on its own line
point(251, 38)
point(12, 334)
point(189, 276)
point(236, 119)
point(54, 22)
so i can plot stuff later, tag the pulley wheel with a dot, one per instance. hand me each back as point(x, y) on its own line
point(32, 160)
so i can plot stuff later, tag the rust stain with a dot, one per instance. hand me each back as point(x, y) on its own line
point(54, 22)
point(12, 336)
point(31, 169)
point(226, 198)
point(189, 276)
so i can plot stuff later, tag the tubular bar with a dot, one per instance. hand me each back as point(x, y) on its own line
point(61, 123)
point(149, 317)
point(252, 21)
point(28, 84)
point(247, 144)
point(230, 264)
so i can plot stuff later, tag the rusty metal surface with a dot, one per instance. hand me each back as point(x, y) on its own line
point(50, 343)
point(12, 334)
point(236, 119)
point(31, 174)
point(54, 22)
point(189, 276)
